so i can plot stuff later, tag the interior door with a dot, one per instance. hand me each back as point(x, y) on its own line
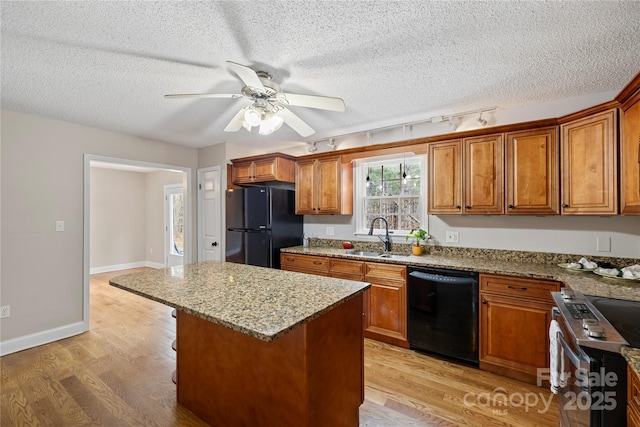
point(174, 225)
point(209, 204)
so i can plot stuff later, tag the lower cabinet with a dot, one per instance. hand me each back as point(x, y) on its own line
point(515, 315)
point(385, 312)
point(633, 397)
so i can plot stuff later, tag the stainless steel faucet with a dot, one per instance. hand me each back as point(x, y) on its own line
point(386, 241)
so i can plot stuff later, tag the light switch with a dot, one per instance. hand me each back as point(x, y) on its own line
point(59, 225)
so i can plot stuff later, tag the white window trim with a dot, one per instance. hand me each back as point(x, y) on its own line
point(360, 168)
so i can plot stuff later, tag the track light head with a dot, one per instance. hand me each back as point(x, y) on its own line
point(453, 123)
point(481, 121)
point(312, 147)
point(332, 144)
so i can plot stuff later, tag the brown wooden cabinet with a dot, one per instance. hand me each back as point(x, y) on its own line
point(385, 306)
point(630, 158)
point(385, 303)
point(515, 315)
point(532, 181)
point(483, 175)
point(311, 264)
point(268, 167)
point(467, 176)
point(445, 177)
point(323, 186)
point(633, 398)
point(589, 158)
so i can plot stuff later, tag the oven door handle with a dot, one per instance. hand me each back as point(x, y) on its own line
point(578, 362)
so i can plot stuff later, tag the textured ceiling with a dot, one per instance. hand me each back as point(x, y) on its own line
point(108, 64)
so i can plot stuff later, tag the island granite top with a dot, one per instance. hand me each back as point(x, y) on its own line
point(257, 301)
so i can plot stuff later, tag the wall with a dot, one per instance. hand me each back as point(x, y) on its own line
point(118, 214)
point(41, 182)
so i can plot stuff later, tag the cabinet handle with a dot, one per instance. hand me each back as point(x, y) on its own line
point(317, 262)
point(458, 206)
point(517, 288)
point(564, 205)
point(484, 301)
point(467, 207)
point(290, 259)
point(511, 206)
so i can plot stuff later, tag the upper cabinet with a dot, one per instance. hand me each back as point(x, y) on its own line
point(532, 182)
point(466, 176)
point(589, 165)
point(483, 158)
point(445, 177)
point(630, 149)
point(265, 168)
point(324, 186)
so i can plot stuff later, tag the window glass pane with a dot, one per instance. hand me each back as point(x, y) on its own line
point(388, 206)
point(177, 224)
point(372, 206)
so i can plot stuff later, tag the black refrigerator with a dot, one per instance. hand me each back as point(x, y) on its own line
point(260, 221)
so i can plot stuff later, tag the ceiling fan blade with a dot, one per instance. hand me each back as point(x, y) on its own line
point(236, 122)
point(247, 75)
point(203, 95)
point(313, 101)
point(295, 122)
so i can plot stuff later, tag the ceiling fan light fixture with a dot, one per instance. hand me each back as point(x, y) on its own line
point(270, 124)
point(252, 117)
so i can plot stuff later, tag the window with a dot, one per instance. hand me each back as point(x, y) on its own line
point(392, 188)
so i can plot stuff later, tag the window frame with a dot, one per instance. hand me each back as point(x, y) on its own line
point(359, 181)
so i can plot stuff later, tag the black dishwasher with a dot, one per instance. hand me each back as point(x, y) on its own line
point(442, 316)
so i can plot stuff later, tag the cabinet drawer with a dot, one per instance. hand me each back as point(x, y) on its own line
point(297, 262)
point(633, 392)
point(346, 266)
point(515, 286)
point(385, 272)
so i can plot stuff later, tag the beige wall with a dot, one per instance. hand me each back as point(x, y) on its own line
point(41, 182)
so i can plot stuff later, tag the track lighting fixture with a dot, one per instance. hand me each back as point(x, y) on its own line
point(313, 147)
point(453, 123)
point(481, 121)
point(332, 145)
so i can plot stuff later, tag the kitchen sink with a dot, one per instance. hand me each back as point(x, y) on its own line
point(375, 255)
point(364, 253)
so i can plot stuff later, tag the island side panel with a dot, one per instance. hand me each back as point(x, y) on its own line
point(336, 365)
point(311, 376)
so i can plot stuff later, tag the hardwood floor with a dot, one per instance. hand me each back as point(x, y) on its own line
point(119, 374)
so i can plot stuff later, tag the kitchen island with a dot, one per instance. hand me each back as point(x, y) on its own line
point(257, 346)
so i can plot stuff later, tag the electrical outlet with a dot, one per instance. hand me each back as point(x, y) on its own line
point(603, 244)
point(4, 311)
point(329, 231)
point(452, 237)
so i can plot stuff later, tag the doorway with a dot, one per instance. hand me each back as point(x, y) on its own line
point(173, 225)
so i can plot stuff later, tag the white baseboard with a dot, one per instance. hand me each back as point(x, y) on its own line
point(118, 267)
point(41, 338)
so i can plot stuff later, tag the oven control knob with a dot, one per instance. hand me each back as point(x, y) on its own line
point(589, 322)
point(596, 331)
point(567, 293)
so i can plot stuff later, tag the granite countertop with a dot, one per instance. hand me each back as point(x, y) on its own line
point(585, 282)
point(260, 302)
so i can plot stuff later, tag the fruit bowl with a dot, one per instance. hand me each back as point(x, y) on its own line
point(347, 245)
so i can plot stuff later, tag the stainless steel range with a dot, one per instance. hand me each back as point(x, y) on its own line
point(592, 373)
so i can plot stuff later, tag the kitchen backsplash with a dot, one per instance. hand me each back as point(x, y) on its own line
point(496, 254)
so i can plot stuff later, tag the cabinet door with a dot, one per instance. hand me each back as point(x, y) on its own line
point(630, 162)
point(514, 337)
point(328, 185)
point(305, 182)
point(386, 303)
point(483, 175)
point(243, 173)
point(589, 165)
point(445, 177)
point(533, 180)
point(265, 170)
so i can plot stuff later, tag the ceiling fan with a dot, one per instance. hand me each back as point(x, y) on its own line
point(268, 109)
